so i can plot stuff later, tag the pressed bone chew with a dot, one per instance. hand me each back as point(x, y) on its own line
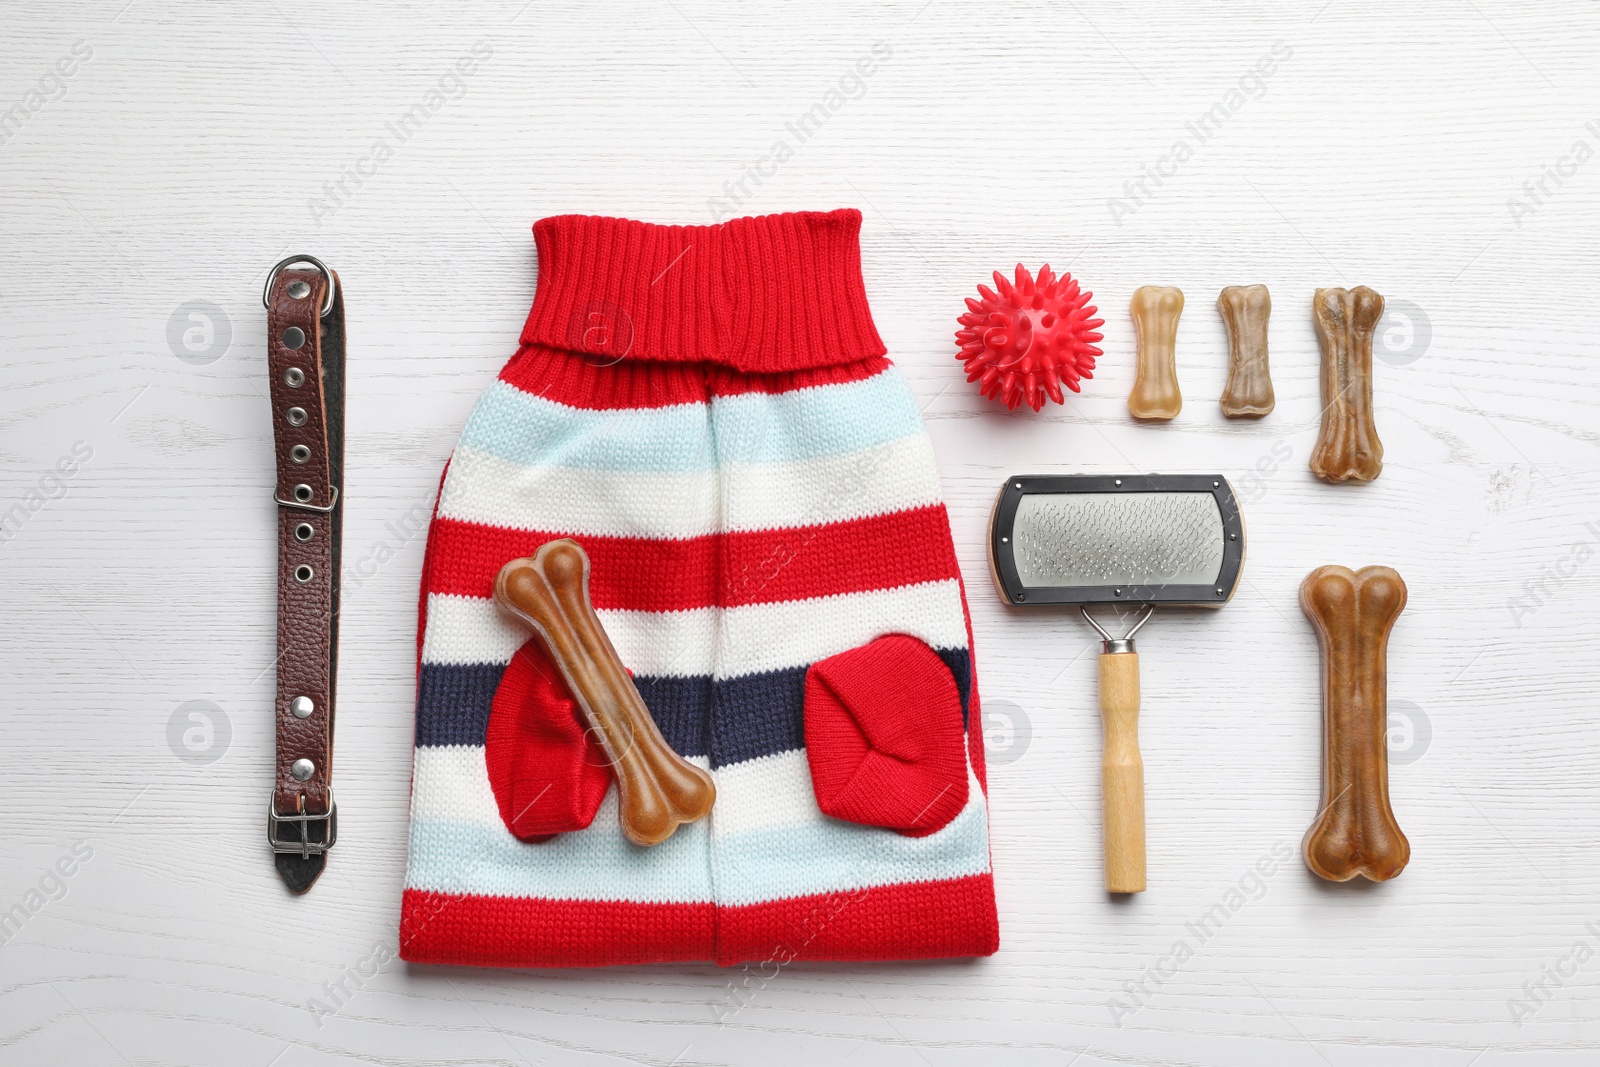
point(1348, 446)
point(1245, 309)
point(1355, 831)
point(656, 788)
point(1155, 310)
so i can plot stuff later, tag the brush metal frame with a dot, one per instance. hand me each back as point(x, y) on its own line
point(1002, 558)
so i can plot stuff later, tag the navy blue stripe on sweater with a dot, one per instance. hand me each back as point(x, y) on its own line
point(729, 721)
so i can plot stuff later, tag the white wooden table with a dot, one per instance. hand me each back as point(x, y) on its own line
point(1443, 154)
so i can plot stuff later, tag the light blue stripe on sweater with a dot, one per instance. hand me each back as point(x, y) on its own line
point(827, 420)
point(448, 856)
point(532, 431)
point(822, 856)
point(829, 856)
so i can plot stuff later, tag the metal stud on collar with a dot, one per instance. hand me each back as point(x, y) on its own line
point(302, 769)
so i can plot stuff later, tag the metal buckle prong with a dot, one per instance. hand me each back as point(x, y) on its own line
point(305, 847)
point(310, 507)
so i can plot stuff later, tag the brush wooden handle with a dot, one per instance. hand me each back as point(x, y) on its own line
point(1122, 772)
point(657, 789)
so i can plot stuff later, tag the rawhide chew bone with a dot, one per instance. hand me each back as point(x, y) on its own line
point(1155, 310)
point(656, 788)
point(1355, 832)
point(1245, 310)
point(1348, 446)
point(1025, 341)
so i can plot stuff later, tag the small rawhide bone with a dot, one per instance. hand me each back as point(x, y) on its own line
point(1355, 831)
point(1348, 447)
point(1155, 310)
point(1245, 309)
point(656, 788)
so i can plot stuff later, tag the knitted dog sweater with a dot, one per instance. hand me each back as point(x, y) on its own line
point(708, 411)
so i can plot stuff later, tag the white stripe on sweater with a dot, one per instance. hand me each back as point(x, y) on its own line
point(668, 505)
point(451, 784)
point(664, 505)
point(774, 792)
point(717, 642)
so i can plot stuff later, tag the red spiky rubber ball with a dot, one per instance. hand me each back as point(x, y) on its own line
point(1025, 341)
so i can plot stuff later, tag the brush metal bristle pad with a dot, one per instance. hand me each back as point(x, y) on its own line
point(1105, 539)
point(1094, 539)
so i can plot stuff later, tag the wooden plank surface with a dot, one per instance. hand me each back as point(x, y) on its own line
point(1441, 152)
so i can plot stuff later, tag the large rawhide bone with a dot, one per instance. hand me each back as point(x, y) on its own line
point(1348, 446)
point(1355, 832)
point(1245, 310)
point(656, 788)
point(1155, 310)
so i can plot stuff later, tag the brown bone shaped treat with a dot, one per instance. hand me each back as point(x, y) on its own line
point(1155, 310)
point(1245, 309)
point(1355, 832)
point(656, 788)
point(1348, 446)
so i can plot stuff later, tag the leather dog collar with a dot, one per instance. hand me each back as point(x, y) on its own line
point(305, 359)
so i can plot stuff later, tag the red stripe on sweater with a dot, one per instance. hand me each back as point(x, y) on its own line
point(915, 921)
point(534, 932)
point(584, 381)
point(429, 557)
point(768, 566)
point(924, 920)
